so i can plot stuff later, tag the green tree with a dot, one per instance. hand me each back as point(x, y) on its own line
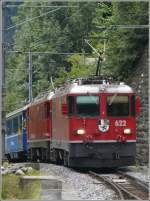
point(123, 45)
point(65, 31)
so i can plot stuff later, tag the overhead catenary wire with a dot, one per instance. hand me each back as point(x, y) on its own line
point(31, 19)
point(139, 26)
point(46, 52)
point(33, 6)
point(12, 44)
point(35, 43)
point(35, 1)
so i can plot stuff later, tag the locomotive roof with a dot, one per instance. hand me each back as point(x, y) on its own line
point(46, 97)
point(94, 88)
point(16, 111)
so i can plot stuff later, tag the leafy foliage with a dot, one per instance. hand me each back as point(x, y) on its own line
point(124, 44)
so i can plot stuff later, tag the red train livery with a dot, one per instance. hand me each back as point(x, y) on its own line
point(39, 128)
point(85, 124)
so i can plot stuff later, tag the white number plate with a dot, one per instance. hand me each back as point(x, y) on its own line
point(120, 123)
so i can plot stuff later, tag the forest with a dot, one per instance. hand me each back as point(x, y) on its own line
point(56, 34)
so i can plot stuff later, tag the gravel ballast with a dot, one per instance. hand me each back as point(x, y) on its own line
point(85, 187)
point(140, 172)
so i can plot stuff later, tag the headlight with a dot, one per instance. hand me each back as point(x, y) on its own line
point(127, 131)
point(80, 131)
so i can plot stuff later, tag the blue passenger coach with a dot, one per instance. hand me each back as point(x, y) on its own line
point(16, 135)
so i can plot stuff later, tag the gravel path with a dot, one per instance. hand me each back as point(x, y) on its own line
point(79, 185)
point(86, 188)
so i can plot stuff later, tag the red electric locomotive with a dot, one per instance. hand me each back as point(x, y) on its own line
point(39, 127)
point(94, 124)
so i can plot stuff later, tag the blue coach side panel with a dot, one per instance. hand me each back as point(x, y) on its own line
point(16, 132)
point(24, 131)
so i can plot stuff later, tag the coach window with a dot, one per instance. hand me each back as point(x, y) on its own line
point(15, 125)
point(9, 127)
point(88, 106)
point(117, 106)
point(70, 105)
point(20, 123)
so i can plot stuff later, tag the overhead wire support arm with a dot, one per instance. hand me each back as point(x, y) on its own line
point(52, 83)
point(95, 50)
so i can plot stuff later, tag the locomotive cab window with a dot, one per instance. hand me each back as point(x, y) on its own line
point(87, 106)
point(117, 106)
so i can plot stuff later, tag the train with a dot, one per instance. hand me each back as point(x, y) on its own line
point(88, 123)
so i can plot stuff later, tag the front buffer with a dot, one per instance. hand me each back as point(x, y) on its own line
point(100, 155)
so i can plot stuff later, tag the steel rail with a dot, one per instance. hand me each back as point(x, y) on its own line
point(136, 189)
point(129, 194)
point(108, 182)
point(143, 184)
point(125, 191)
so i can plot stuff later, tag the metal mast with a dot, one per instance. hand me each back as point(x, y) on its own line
point(2, 139)
point(1, 79)
point(30, 77)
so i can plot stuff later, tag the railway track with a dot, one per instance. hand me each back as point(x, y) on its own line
point(125, 186)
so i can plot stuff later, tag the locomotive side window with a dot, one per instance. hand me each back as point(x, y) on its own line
point(88, 106)
point(70, 105)
point(47, 108)
point(133, 105)
point(117, 106)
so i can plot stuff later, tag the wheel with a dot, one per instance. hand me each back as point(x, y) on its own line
point(59, 157)
point(66, 160)
point(53, 155)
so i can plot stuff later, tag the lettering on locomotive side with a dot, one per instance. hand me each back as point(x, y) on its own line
point(120, 123)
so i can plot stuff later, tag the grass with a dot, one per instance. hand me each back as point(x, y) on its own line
point(11, 188)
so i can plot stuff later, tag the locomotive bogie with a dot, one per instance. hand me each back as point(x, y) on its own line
point(39, 154)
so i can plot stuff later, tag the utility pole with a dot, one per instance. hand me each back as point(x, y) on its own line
point(2, 142)
point(30, 76)
point(2, 129)
point(30, 54)
point(1, 67)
